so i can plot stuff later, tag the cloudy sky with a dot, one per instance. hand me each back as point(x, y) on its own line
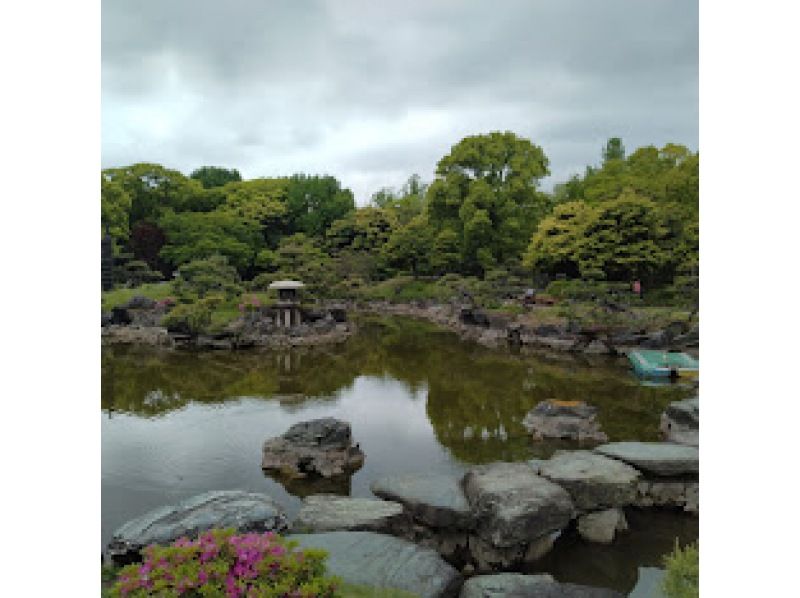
point(372, 92)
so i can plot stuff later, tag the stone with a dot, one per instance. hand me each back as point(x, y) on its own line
point(437, 500)
point(513, 505)
point(244, 511)
point(680, 422)
point(656, 458)
point(692, 502)
point(320, 447)
point(602, 526)
point(517, 585)
point(326, 513)
point(574, 420)
point(592, 480)
point(380, 561)
point(140, 302)
point(648, 584)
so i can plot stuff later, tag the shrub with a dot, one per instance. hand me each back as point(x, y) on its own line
point(220, 563)
point(192, 318)
point(210, 275)
point(682, 577)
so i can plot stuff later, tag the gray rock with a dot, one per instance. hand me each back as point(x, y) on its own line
point(680, 422)
point(574, 420)
point(321, 447)
point(648, 584)
point(517, 585)
point(379, 561)
point(657, 458)
point(140, 302)
point(592, 480)
point(514, 505)
point(326, 513)
point(602, 526)
point(243, 511)
point(436, 500)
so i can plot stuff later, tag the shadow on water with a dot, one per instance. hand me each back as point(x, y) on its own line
point(176, 423)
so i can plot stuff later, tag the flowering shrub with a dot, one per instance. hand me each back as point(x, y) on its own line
point(220, 563)
point(249, 304)
point(165, 303)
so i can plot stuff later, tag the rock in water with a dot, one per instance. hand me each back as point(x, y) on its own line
point(573, 420)
point(436, 500)
point(367, 558)
point(602, 526)
point(592, 480)
point(244, 511)
point(680, 422)
point(517, 585)
point(321, 447)
point(655, 458)
point(323, 513)
point(518, 513)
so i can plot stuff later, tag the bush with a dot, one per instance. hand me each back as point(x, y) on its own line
point(210, 275)
point(220, 563)
point(192, 318)
point(682, 577)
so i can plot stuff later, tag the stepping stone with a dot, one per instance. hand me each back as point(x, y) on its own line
point(517, 585)
point(656, 458)
point(244, 511)
point(602, 526)
point(436, 500)
point(325, 513)
point(592, 480)
point(376, 560)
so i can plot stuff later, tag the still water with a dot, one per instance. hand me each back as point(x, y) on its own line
point(177, 423)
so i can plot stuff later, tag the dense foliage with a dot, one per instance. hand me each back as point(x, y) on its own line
point(682, 577)
point(632, 217)
point(220, 563)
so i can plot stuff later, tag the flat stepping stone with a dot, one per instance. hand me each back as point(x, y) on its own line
point(514, 505)
point(380, 561)
point(592, 480)
point(243, 511)
point(517, 585)
point(648, 584)
point(436, 500)
point(656, 458)
point(325, 513)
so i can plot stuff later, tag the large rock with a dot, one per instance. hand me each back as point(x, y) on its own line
point(574, 420)
point(517, 512)
point(602, 526)
point(244, 511)
point(327, 513)
point(649, 583)
point(517, 585)
point(655, 458)
point(379, 561)
point(437, 500)
point(321, 447)
point(680, 422)
point(592, 480)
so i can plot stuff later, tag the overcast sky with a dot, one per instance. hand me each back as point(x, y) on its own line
point(372, 92)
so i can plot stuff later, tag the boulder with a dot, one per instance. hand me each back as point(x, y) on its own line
point(326, 513)
point(437, 500)
point(648, 584)
point(602, 526)
point(380, 561)
point(592, 480)
point(140, 302)
point(514, 506)
point(120, 316)
point(517, 585)
point(244, 511)
point(680, 422)
point(574, 420)
point(320, 447)
point(656, 458)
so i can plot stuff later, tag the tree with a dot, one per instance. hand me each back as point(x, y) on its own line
point(614, 150)
point(555, 247)
point(262, 201)
point(115, 208)
point(147, 239)
point(486, 192)
point(409, 248)
point(366, 229)
point(215, 176)
point(298, 256)
point(314, 202)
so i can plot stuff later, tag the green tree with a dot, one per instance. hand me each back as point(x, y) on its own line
point(556, 245)
point(262, 201)
point(215, 176)
point(300, 257)
point(409, 248)
point(314, 202)
point(115, 208)
point(365, 229)
point(614, 150)
point(486, 191)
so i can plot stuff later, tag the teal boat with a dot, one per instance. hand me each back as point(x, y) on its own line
point(663, 364)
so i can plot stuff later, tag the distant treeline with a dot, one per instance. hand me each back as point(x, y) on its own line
point(630, 217)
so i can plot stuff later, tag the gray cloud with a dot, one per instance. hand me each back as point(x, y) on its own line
point(374, 91)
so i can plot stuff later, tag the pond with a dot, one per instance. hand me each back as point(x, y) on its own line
point(178, 423)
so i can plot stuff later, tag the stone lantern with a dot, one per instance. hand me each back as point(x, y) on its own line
point(288, 306)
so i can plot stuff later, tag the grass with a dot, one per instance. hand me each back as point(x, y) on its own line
point(120, 296)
